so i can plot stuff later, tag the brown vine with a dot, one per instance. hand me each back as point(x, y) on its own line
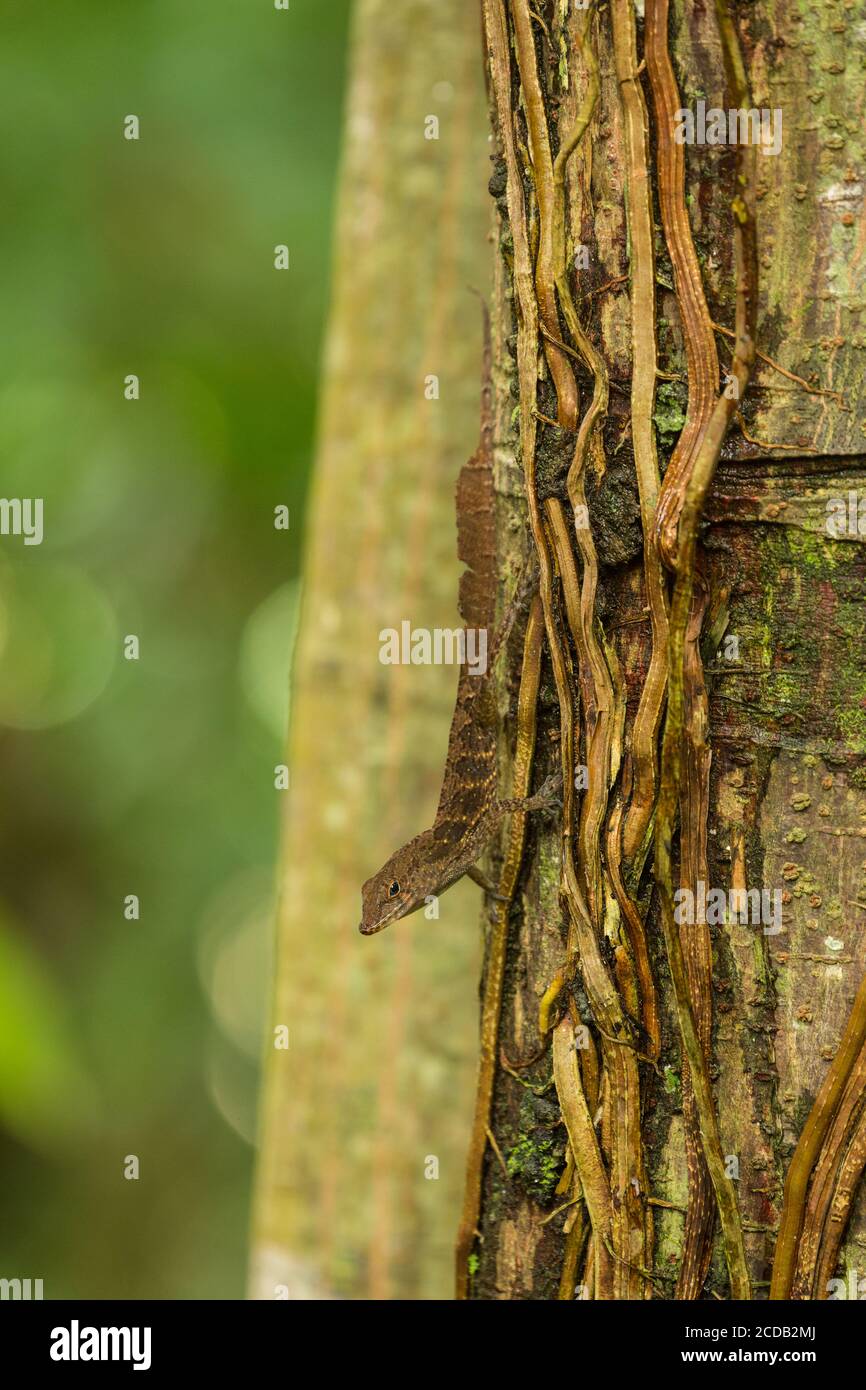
point(633, 798)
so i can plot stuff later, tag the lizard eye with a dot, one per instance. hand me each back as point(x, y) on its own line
point(394, 889)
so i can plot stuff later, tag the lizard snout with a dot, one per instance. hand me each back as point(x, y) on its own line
point(370, 931)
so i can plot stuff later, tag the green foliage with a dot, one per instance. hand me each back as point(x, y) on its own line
point(155, 777)
point(44, 1096)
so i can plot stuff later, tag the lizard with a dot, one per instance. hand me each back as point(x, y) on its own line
point(470, 811)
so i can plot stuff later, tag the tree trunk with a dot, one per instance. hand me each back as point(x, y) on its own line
point(372, 1097)
point(672, 1063)
point(629, 409)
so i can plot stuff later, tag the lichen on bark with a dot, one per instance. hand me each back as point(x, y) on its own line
point(785, 717)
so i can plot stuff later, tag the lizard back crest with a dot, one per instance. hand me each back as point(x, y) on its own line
point(476, 518)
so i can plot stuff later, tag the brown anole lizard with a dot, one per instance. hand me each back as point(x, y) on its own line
point(469, 811)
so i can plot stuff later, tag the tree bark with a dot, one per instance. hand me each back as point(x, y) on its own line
point(373, 1095)
point(598, 368)
point(666, 1107)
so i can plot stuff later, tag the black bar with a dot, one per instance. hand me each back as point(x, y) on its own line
point(656, 1338)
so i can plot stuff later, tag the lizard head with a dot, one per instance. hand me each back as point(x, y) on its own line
point(396, 890)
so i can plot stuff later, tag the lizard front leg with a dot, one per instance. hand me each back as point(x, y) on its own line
point(548, 798)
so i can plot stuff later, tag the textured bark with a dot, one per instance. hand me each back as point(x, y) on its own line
point(377, 1078)
point(786, 716)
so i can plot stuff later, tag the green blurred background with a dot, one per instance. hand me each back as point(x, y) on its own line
point(151, 777)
